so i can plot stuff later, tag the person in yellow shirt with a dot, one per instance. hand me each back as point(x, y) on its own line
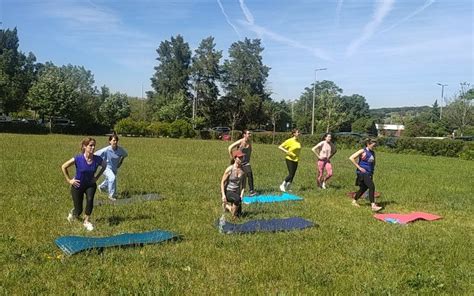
point(292, 149)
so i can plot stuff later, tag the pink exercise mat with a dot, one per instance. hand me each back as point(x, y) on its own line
point(406, 218)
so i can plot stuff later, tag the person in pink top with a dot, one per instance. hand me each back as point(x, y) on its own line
point(324, 151)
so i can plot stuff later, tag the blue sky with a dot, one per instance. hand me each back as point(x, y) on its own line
point(393, 52)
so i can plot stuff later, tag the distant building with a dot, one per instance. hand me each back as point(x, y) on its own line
point(390, 130)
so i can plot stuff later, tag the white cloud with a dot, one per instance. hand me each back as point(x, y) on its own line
point(227, 19)
point(417, 11)
point(382, 8)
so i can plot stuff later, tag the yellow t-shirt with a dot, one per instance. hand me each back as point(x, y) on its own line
point(292, 145)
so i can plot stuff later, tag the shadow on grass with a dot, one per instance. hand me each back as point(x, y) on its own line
point(116, 220)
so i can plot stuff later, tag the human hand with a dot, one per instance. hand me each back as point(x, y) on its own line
point(224, 199)
point(291, 154)
point(74, 182)
point(362, 170)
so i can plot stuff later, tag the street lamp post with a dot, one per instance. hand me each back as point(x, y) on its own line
point(442, 97)
point(314, 95)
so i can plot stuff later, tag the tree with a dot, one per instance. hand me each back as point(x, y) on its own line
point(243, 79)
point(205, 72)
point(114, 108)
point(17, 72)
point(65, 91)
point(330, 111)
point(303, 106)
point(355, 107)
point(459, 113)
point(172, 73)
point(364, 125)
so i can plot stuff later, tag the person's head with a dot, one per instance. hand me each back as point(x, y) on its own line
point(295, 132)
point(88, 144)
point(113, 140)
point(237, 157)
point(246, 134)
point(327, 137)
point(370, 143)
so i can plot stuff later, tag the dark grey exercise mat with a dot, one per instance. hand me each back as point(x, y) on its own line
point(128, 200)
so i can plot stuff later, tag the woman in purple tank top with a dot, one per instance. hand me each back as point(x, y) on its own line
point(84, 181)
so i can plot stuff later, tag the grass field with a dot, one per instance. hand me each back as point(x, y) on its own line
point(349, 253)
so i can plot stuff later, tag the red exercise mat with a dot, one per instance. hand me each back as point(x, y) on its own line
point(352, 194)
point(406, 218)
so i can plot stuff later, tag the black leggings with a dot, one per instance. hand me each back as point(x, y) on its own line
point(249, 175)
point(364, 181)
point(292, 166)
point(78, 198)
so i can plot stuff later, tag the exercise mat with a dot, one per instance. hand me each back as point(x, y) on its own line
point(75, 244)
point(271, 225)
point(406, 218)
point(270, 198)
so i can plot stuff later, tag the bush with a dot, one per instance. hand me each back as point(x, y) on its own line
point(180, 128)
point(128, 126)
point(22, 128)
point(159, 129)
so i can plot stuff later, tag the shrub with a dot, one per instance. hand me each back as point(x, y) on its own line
point(180, 128)
point(128, 126)
point(159, 129)
point(22, 128)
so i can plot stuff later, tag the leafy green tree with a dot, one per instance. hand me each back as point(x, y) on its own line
point(364, 125)
point(114, 108)
point(176, 109)
point(243, 79)
point(17, 72)
point(205, 72)
point(303, 107)
point(459, 113)
point(435, 112)
point(330, 111)
point(355, 107)
point(65, 91)
point(172, 74)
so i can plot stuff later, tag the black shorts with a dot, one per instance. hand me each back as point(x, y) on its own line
point(233, 197)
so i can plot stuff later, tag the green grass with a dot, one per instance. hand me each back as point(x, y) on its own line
point(349, 253)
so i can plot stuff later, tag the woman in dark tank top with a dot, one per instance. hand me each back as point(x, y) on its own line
point(245, 146)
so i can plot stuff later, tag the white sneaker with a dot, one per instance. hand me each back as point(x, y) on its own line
point(88, 225)
point(323, 186)
point(70, 216)
point(283, 187)
point(112, 198)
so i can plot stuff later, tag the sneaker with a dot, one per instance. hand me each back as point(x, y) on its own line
point(323, 186)
point(253, 193)
point(112, 198)
point(376, 208)
point(88, 225)
point(282, 187)
point(70, 216)
point(355, 204)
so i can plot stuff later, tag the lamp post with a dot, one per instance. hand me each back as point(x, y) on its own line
point(442, 97)
point(314, 95)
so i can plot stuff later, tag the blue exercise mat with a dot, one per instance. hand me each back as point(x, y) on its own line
point(75, 244)
point(270, 198)
point(271, 225)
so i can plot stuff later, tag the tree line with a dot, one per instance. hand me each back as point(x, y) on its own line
point(198, 87)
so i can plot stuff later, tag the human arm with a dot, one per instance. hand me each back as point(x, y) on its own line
point(353, 158)
point(122, 158)
point(103, 166)
point(225, 176)
point(233, 145)
point(283, 148)
point(316, 149)
point(64, 169)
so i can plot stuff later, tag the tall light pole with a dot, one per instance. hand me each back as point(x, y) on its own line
point(442, 97)
point(314, 95)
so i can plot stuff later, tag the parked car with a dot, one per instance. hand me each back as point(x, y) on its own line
point(221, 129)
